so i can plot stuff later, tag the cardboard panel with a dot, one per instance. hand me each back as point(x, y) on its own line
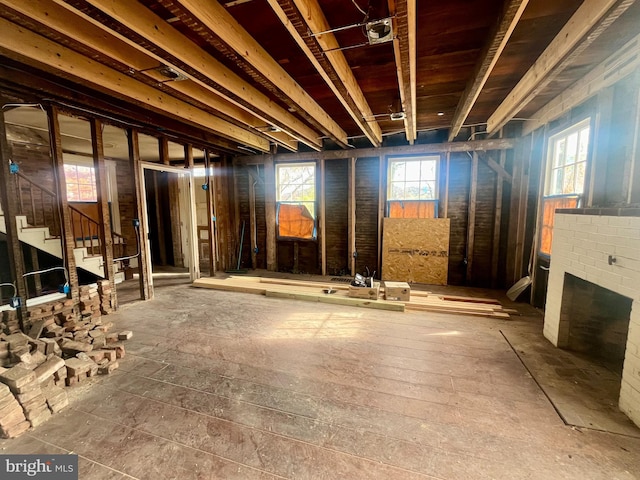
point(416, 250)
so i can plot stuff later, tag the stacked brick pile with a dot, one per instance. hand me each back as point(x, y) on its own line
point(94, 301)
point(33, 387)
point(106, 297)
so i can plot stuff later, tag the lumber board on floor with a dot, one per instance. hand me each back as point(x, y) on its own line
point(313, 291)
point(339, 300)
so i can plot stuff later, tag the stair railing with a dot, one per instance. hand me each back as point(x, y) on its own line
point(85, 229)
point(30, 196)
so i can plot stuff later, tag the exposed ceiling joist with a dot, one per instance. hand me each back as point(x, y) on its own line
point(621, 63)
point(67, 23)
point(304, 19)
point(223, 25)
point(404, 48)
point(491, 52)
point(422, 149)
point(583, 28)
point(174, 48)
point(21, 44)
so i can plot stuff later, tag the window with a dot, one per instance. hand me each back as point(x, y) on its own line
point(81, 183)
point(296, 200)
point(412, 187)
point(566, 171)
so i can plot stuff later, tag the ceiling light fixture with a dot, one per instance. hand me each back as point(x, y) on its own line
point(172, 74)
point(397, 116)
point(380, 31)
point(440, 114)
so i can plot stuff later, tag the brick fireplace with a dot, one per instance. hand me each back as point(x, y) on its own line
point(594, 281)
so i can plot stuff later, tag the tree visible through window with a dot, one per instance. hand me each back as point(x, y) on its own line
point(566, 171)
point(81, 183)
point(296, 200)
point(412, 187)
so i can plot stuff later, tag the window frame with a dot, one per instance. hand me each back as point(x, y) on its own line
point(548, 193)
point(435, 200)
point(68, 183)
point(314, 235)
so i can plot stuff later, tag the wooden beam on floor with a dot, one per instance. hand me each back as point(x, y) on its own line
point(493, 48)
point(404, 49)
point(311, 31)
point(591, 19)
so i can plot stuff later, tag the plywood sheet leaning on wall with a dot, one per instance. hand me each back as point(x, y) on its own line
point(415, 250)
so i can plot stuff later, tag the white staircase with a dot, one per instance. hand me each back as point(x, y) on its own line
point(40, 238)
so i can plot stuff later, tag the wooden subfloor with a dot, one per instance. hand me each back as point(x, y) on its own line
point(236, 386)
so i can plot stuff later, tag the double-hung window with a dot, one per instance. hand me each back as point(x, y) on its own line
point(81, 183)
point(296, 201)
point(412, 187)
point(566, 171)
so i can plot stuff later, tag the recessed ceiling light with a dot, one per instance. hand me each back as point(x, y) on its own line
point(440, 114)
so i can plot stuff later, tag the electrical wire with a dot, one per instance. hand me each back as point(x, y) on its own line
point(23, 105)
point(137, 228)
point(358, 7)
point(15, 290)
point(46, 270)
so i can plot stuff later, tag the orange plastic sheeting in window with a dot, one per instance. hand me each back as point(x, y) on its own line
point(415, 209)
point(549, 213)
point(295, 221)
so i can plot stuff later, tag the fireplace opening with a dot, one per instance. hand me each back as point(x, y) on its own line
point(597, 321)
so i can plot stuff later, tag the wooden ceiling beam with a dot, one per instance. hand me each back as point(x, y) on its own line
point(404, 49)
point(254, 58)
point(21, 44)
point(421, 149)
point(591, 19)
point(498, 38)
point(305, 17)
point(178, 52)
point(65, 22)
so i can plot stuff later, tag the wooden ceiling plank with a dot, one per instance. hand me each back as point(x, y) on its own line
point(404, 49)
point(21, 44)
point(500, 34)
point(220, 22)
point(69, 24)
point(337, 74)
point(156, 31)
point(591, 19)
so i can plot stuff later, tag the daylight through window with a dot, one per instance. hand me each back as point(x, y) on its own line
point(81, 183)
point(296, 200)
point(412, 187)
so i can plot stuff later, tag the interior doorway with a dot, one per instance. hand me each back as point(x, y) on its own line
point(169, 214)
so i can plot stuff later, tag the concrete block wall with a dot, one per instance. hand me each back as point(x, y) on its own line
point(581, 246)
